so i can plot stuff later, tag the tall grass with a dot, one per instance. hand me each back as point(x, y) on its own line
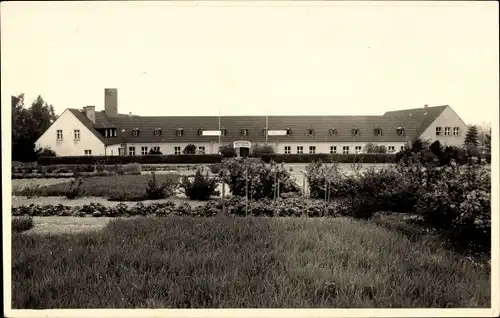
point(224, 262)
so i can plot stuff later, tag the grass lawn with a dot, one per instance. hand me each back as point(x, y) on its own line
point(224, 262)
point(124, 186)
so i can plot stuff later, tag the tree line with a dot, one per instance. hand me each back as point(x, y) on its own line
point(28, 124)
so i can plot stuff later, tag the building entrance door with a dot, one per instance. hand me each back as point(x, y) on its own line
point(242, 148)
point(244, 152)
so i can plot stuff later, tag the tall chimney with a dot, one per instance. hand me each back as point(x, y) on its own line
point(425, 106)
point(111, 102)
point(90, 113)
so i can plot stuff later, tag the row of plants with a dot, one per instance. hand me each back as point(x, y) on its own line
point(455, 200)
point(284, 207)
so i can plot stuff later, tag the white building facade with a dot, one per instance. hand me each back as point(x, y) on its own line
point(87, 132)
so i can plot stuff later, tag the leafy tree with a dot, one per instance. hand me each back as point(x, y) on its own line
point(436, 148)
point(487, 142)
point(28, 124)
point(471, 142)
point(189, 150)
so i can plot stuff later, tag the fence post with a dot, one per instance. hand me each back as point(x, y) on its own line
point(223, 190)
point(246, 190)
point(278, 196)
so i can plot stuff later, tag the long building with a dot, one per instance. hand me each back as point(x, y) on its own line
point(78, 132)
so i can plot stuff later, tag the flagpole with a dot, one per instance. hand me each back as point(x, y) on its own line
point(219, 128)
point(266, 129)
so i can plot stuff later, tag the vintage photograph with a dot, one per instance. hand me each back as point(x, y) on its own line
point(249, 155)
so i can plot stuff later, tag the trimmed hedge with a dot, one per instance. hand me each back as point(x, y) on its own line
point(209, 159)
point(340, 158)
point(112, 160)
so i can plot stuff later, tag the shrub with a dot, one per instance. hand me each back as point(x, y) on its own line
point(459, 203)
point(189, 150)
point(262, 150)
point(201, 187)
point(262, 181)
point(22, 223)
point(165, 209)
point(227, 151)
point(155, 152)
point(155, 191)
point(45, 152)
point(73, 189)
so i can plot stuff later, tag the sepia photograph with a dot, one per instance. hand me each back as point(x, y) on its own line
point(300, 156)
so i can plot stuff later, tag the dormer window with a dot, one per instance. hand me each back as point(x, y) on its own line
point(135, 132)
point(333, 132)
point(401, 131)
point(310, 132)
point(180, 132)
point(244, 132)
point(200, 132)
point(378, 132)
point(264, 131)
point(288, 131)
point(110, 132)
point(355, 132)
point(223, 132)
point(157, 132)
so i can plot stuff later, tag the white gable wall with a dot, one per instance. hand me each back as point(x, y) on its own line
point(68, 146)
point(448, 118)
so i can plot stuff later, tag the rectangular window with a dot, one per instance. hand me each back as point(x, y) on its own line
point(177, 150)
point(144, 151)
point(59, 135)
point(135, 132)
point(156, 149)
point(244, 132)
point(131, 151)
point(201, 149)
point(402, 148)
point(77, 134)
point(333, 149)
point(333, 132)
point(345, 149)
point(310, 132)
point(300, 149)
point(391, 148)
point(447, 131)
point(456, 131)
point(438, 131)
point(223, 132)
point(312, 149)
point(88, 152)
point(357, 149)
point(157, 132)
point(180, 132)
point(288, 149)
point(113, 131)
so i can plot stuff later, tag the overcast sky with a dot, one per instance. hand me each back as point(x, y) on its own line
point(321, 58)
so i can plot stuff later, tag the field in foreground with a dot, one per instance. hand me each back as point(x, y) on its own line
point(224, 262)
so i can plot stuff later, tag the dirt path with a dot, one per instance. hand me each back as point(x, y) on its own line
point(66, 224)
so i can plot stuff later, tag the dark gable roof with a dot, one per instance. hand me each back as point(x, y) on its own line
point(90, 125)
point(424, 116)
point(389, 122)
